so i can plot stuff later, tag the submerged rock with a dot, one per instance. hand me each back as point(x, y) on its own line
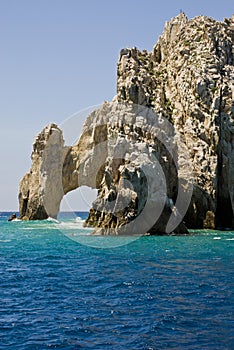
point(162, 153)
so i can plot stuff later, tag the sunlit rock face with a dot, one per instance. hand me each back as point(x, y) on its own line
point(41, 189)
point(162, 153)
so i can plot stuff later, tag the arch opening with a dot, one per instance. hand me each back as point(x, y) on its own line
point(78, 200)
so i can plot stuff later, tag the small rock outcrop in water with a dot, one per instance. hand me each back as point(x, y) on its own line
point(182, 90)
point(12, 217)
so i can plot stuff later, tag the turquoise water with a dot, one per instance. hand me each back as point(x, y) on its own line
point(165, 292)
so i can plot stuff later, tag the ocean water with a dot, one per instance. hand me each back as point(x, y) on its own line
point(63, 289)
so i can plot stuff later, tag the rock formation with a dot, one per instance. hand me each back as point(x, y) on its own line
point(12, 217)
point(41, 190)
point(171, 123)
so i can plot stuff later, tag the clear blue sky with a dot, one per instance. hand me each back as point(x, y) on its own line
point(59, 56)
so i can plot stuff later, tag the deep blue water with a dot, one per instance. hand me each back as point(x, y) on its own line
point(165, 292)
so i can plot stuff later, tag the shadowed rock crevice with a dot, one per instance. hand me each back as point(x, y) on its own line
point(224, 208)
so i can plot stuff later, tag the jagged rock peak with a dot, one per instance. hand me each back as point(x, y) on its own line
point(198, 44)
point(173, 27)
point(42, 138)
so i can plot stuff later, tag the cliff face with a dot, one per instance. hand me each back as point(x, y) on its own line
point(189, 77)
point(171, 124)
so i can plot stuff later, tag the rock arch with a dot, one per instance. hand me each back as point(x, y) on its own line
point(188, 80)
point(115, 154)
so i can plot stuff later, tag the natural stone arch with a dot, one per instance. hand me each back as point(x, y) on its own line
point(188, 79)
point(117, 142)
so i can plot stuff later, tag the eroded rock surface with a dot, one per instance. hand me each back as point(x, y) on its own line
point(41, 189)
point(172, 123)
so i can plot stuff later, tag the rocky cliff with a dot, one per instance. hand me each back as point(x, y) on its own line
point(162, 151)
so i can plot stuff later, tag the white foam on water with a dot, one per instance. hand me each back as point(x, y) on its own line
point(229, 239)
point(78, 224)
point(217, 238)
point(52, 220)
point(38, 227)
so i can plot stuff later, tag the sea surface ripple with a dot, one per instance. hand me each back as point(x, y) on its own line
point(163, 292)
